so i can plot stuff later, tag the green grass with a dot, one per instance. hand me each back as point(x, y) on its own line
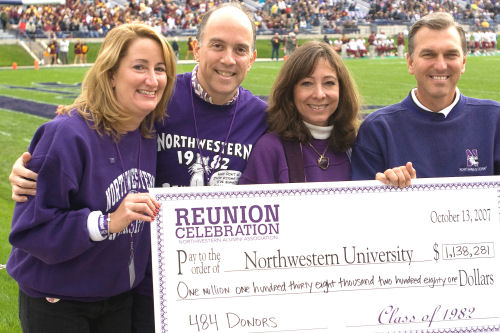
point(386, 81)
point(11, 53)
point(30, 78)
point(14, 53)
point(91, 53)
point(16, 131)
point(381, 82)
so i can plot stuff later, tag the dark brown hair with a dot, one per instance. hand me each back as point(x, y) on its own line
point(284, 118)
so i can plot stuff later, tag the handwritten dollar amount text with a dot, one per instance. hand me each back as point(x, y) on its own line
point(464, 251)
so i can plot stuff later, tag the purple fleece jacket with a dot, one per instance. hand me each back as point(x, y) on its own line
point(268, 165)
point(185, 149)
point(80, 171)
point(465, 143)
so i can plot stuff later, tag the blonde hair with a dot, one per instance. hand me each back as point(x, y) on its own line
point(97, 102)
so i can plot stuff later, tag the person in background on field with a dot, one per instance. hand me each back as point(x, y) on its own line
point(477, 35)
point(371, 45)
point(312, 116)
point(326, 40)
point(64, 50)
point(275, 43)
point(470, 42)
point(189, 51)
point(493, 41)
point(391, 48)
point(337, 45)
point(352, 48)
point(381, 43)
point(81, 245)
point(85, 50)
point(444, 133)
point(175, 47)
point(53, 52)
point(31, 29)
point(21, 28)
point(401, 45)
point(4, 19)
point(290, 44)
point(77, 49)
point(361, 47)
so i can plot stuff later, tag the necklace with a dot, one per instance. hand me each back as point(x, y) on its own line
point(131, 265)
point(323, 161)
point(206, 170)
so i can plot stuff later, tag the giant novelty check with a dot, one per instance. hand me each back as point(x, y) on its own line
point(329, 257)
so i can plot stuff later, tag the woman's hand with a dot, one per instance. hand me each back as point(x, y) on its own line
point(135, 206)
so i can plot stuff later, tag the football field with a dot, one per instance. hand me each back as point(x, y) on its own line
point(381, 82)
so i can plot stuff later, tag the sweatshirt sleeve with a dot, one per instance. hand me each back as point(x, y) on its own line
point(367, 159)
point(267, 163)
point(49, 226)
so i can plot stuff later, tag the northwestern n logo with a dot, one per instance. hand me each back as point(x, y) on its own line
point(472, 158)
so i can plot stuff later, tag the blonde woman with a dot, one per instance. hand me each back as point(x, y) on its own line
point(81, 244)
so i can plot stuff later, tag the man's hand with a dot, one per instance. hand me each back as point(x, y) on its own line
point(400, 176)
point(22, 180)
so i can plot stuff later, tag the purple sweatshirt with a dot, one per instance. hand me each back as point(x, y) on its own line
point(267, 164)
point(80, 171)
point(186, 148)
point(465, 143)
point(179, 156)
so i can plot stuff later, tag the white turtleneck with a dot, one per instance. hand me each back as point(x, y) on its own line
point(319, 132)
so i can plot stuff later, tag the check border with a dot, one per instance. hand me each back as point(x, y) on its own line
point(312, 188)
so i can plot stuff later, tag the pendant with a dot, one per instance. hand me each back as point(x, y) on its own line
point(323, 162)
point(131, 266)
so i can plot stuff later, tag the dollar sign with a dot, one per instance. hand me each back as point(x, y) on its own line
point(436, 256)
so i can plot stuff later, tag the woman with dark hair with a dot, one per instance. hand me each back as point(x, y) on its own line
point(313, 119)
point(313, 108)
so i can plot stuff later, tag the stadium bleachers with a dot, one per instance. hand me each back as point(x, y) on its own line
point(180, 18)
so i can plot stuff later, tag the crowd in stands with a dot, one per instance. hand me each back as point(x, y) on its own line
point(478, 13)
point(83, 19)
